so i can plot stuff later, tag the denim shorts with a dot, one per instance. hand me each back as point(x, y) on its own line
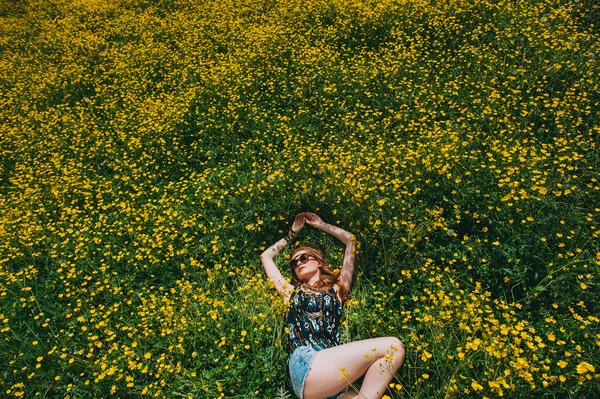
point(299, 365)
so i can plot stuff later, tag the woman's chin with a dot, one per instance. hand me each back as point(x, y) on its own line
point(305, 276)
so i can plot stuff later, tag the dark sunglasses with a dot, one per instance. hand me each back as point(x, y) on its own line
point(302, 259)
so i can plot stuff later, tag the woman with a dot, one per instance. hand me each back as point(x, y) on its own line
point(320, 367)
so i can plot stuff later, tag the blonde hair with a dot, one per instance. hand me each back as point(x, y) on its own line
point(328, 277)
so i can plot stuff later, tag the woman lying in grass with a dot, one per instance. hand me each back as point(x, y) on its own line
point(320, 367)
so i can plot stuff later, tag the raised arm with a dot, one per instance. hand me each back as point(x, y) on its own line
point(347, 238)
point(266, 258)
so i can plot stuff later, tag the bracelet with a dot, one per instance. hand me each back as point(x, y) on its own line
point(289, 236)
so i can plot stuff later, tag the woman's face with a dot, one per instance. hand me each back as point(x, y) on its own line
point(306, 267)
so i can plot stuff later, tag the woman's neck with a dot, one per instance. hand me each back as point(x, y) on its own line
point(314, 281)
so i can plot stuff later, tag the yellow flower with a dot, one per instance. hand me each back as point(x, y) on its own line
point(426, 356)
point(585, 367)
point(344, 375)
point(476, 386)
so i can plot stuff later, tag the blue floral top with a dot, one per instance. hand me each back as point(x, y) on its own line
point(313, 318)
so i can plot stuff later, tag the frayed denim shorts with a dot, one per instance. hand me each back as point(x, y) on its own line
point(299, 365)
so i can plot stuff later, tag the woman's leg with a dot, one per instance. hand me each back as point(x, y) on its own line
point(333, 369)
point(351, 393)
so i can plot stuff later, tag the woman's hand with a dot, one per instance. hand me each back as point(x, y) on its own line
point(298, 224)
point(313, 219)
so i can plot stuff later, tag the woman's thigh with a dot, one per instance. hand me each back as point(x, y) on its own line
point(333, 369)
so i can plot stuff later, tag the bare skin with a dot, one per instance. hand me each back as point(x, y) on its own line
point(334, 369)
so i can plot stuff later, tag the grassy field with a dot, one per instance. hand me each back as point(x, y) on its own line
point(151, 150)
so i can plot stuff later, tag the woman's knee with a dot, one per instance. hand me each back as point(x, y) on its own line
point(394, 344)
point(396, 350)
point(399, 351)
point(398, 344)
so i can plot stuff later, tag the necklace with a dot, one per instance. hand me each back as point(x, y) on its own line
point(319, 286)
point(317, 292)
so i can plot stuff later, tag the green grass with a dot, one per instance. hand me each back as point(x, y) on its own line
point(151, 150)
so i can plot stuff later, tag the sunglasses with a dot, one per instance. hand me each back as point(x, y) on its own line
point(300, 260)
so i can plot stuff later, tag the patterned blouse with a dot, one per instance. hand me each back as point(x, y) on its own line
point(313, 318)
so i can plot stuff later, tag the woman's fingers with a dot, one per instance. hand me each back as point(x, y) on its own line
point(298, 223)
point(312, 219)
